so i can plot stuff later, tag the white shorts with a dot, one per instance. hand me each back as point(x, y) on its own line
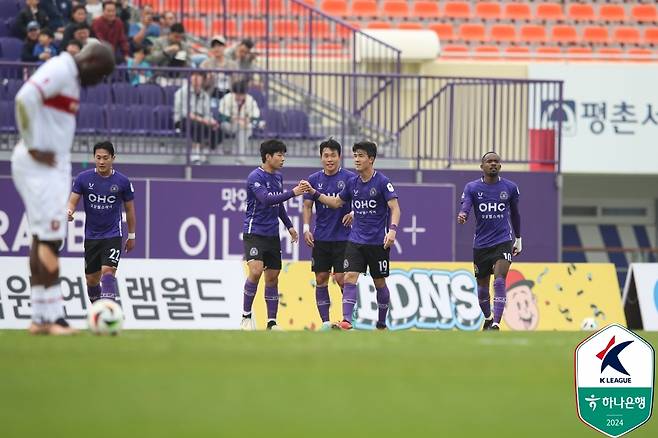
point(45, 191)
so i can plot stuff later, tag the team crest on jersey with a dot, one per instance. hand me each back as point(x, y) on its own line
point(114, 188)
point(504, 195)
point(341, 185)
point(253, 252)
point(373, 192)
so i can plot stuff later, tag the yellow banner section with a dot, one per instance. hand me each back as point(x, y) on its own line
point(443, 296)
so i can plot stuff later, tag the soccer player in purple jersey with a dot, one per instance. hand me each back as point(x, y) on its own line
point(376, 219)
point(495, 201)
point(262, 246)
point(329, 238)
point(103, 190)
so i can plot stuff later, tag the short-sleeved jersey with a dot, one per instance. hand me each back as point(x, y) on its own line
point(369, 201)
point(103, 197)
point(492, 205)
point(329, 221)
point(50, 126)
point(260, 218)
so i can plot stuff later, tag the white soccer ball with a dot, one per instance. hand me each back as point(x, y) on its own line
point(105, 317)
point(589, 324)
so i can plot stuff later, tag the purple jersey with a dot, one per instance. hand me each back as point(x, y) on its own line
point(370, 206)
point(102, 198)
point(497, 218)
point(265, 197)
point(329, 221)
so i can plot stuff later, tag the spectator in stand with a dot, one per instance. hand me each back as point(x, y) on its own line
point(244, 56)
point(202, 126)
point(166, 21)
point(239, 113)
point(171, 50)
point(31, 40)
point(82, 33)
point(58, 12)
point(110, 29)
point(144, 32)
point(94, 9)
point(73, 47)
point(31, 12)
point(44, 49)
point(78, 16)
point(218, 83)
point(137, 77)
point(125, 13)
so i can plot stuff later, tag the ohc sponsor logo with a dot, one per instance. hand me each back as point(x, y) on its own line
point(359, 204)
point(491, 207)
point(102, 199)
point(424, 299)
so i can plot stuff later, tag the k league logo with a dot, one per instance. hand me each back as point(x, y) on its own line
point(614, 380)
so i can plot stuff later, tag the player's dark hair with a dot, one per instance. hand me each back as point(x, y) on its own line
point(107, 145)
point(332, 145)
point(490, 152)
point(369, 147)
point(271, 147)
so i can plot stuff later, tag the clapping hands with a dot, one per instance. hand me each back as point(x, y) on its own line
point(303, 187)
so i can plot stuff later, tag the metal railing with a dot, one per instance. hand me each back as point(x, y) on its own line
point(421, 122)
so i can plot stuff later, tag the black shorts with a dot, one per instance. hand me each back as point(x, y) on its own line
point(102, 252)
point(484, 259)
point(264, 248)
point(328, 255)
point(359, 256)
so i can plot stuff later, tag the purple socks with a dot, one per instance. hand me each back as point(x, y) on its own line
point(485, 300)
point(500, 298)
point(249, 295)
point(94, 293)
point(272, 301)
point(323, 300)
point(383, 301)
point(349, 301)
point(108, 287)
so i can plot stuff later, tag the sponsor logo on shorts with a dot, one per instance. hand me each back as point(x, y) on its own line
point(346, 264)
point(253, 252)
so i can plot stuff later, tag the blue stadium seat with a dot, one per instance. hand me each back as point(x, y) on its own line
point(91, 119)
point(99, 94)
point(169, 92)
point(142, 119)
point(118, 120)
point(11, 88)
point(150, 94)
point(125, 94)
point(10, 48)
point(8, 9)
point(164, 120)
point(259, 97)
point(297, 125)
point(274, 124)
point(7, 117)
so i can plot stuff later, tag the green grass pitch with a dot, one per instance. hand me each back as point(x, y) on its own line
point(297, 384)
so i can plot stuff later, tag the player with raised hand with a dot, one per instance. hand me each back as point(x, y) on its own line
point(262, 246)
point(376, 219)
point(495, 201)
point(103, 190)
point(46, 106)
point(332, 226)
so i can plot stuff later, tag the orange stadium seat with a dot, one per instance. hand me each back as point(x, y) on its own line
point(297, 8)
point(640, 52)
point(410, 26)
point(596, 34)
point(581, 12)
point(517, 11)
point(457, 9)
point(454, 48)
point(378, 25)
point(549, 50)
point(238, 6)
point(426, 9)
point(533, 33)
point(549, 12)
point(207, 6)
point(580, 51)
point(254, 28)
point(443, 30)
point(195, 26)
point(488, 10)
point(564, 34)
point(170, 5)
point(518, 52)
point(612, 52)
point(344, 31)
point(395, 9)
point(645, 13)
point(612, 13)
point(472, 32)
point(364, 8)
point(336, 8)
point(227, 28)
point(286, 28)
point(503, 32)
point(490, 51)
point(626, 35)
point(275, 7)
point(320, 29)
point(651, 35)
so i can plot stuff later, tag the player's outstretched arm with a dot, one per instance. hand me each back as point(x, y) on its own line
point(307, 214)
point(329, 201)
point(394, 207)
point(132, 224)
point(73, 203)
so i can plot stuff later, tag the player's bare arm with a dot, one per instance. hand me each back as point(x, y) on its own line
point(73, 203)
point(348, 219)
point(329, 201)
point(132, 224)
point(389, 238)
point(307, 214)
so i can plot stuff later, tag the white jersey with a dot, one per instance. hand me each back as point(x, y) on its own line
point(46, 106)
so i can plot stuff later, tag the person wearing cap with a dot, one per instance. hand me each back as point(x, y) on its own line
point(110, 29)
point(31, 12)
point(31, 40)
point(218, 83)
point(143, 32)
point(171, 50)
point(44, 49)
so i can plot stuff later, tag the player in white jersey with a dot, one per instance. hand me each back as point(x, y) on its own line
point(46, 106)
